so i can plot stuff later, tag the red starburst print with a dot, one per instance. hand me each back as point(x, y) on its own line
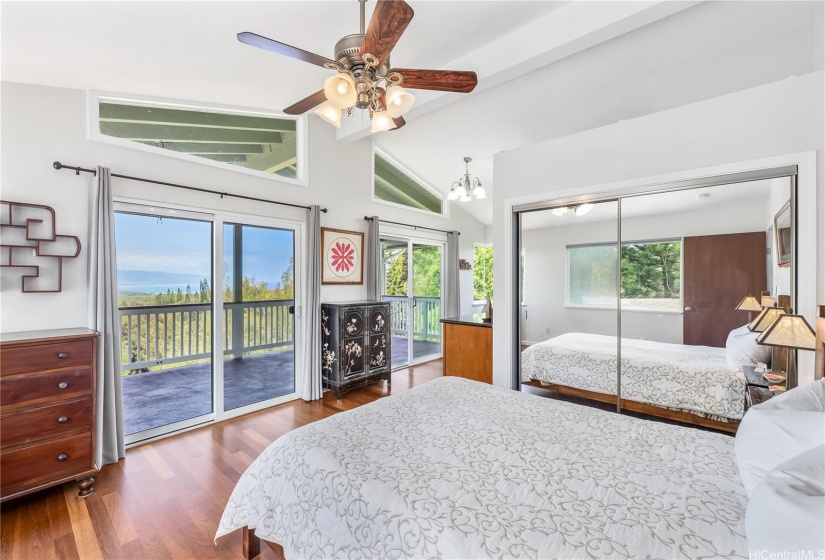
point(343, 257)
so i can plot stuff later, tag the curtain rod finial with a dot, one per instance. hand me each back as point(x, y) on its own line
point(324, 210)
point(57, 165)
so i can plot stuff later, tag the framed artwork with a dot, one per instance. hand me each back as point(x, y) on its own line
point(782, 231)
point(342, 255)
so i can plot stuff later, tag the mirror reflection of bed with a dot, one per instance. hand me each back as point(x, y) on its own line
point(689, 258)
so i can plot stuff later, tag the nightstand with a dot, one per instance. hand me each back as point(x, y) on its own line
point(757, 390)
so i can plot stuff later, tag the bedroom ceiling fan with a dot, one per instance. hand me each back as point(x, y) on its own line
point(364, 78)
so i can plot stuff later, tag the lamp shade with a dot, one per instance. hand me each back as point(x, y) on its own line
point(399, 101)
point(340, 90)
point(561, 211)
point(330, 113)
point(452, 195)
point(750, 303)
point(767, 301)
point(764, 319)
point(381, 122)
point(479, 191)
point(789, 331)
point(583, 209)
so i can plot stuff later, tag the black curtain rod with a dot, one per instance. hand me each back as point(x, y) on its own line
point(77, 170)
point(369, 219)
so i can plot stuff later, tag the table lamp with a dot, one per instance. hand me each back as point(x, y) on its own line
point(794, 333)
point(765, 319)
point(749, 304)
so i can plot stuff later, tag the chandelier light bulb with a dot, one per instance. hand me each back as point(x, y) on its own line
point(583, 209)
point(340, 90)
point(399, 101)
point(329, 113)
point(381, 122)
point(559, 211)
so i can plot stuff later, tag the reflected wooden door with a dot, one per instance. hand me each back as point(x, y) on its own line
point(718, 271)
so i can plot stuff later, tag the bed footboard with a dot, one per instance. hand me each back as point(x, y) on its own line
point(252, 546)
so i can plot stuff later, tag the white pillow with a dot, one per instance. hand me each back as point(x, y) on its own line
point(742, 349)
point(767, 438)
point(810, 396)
point(786, 514)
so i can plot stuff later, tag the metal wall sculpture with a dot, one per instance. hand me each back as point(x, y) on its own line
point(30, 243)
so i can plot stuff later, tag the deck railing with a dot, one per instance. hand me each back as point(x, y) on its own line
point(170, 334)
point(426, 317)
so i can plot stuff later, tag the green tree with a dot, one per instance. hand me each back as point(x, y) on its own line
point(482, 272)
point(396, 265)
point(651, 270)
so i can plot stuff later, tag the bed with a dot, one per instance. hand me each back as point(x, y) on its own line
point(694, 380)
point(455, 468)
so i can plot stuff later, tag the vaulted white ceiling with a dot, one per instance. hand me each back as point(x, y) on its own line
point(532, 86)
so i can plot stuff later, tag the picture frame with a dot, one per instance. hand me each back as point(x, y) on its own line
point(342, 256)
point(783, 234)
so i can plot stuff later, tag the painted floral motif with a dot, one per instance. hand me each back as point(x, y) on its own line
point(379, 322)
point(352, 326)
point(377, 356)
point(327, 358)
point(352, 350)
point(324, 319)
point(342, 257)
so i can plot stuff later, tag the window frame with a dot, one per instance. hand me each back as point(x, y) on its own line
point(568, 305)
point(302, 152)
point(445, 204)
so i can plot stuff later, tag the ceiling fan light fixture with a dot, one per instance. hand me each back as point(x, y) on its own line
point(399, 101)
point(381, 122)
point(561, 211)
point(340, 90)
point(330, 113)
point(583, 209)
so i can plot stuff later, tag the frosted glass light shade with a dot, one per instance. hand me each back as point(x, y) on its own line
point(583, 209)
point(340, 90)
point(329, 113)
point(749, 303)
point(399, 101)
point(452, 195)
point(460, 190)
point(559, 211)
point(764, 319)
point(465, 198)
point(381, 122)
point(479, 192)
point(789, 331)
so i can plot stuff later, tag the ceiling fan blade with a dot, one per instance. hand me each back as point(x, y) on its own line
point(306, 103)
point(399, 122)
point(439, 80)
point(281, 48)
point(388, 22)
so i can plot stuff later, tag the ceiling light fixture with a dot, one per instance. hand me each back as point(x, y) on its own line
point(577, 209)
point(364, 78)
point(464, 189)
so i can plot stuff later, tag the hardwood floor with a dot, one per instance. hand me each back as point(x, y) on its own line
point(165, 499)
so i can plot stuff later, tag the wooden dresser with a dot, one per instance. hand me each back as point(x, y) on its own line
point(47, 408)
point(468, 347)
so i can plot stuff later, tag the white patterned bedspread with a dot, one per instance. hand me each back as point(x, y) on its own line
point(459, 469)
point(693, 378)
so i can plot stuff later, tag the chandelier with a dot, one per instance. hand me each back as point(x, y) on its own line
point(464, 189)
point(577, 209)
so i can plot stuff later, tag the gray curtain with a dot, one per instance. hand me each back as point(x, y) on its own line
point(103, 317)
point(372, 259)
point(452, 296)
point(311, 376)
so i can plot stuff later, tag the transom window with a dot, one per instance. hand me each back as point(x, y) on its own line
point(651, 275)
point(260, 143)
point(396, 186)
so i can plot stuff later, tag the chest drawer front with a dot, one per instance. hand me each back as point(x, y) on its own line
point(45, 387)
point(50, 460)
point(29, 426)
point(39, 357)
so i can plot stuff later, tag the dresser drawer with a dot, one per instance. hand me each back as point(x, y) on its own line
point(31, 425)
point(40, 357)
point(45, 387)
point(50, 460)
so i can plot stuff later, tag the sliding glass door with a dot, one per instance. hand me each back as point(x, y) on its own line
point(413, 286)
point(204, 338)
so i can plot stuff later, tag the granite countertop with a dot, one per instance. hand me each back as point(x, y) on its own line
point(474, 320)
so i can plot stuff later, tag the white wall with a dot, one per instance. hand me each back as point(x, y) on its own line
point(780, 193)
point(779, 118)
point(43, 124)
point(546, 267)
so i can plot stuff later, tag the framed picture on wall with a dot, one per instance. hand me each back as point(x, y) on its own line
point(782, 231)
point(342, 255)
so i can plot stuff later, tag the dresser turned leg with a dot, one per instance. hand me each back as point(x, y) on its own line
point(85, 486)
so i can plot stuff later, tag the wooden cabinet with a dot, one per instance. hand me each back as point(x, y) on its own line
point(356, 344)
point(468, 348)
point(47, 393)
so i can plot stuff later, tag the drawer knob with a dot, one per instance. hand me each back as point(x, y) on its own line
point(63, 355)
point(62, 457)
point(62, 385)
point(62, 419)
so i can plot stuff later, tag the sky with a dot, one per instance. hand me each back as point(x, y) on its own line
point(148, 243)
